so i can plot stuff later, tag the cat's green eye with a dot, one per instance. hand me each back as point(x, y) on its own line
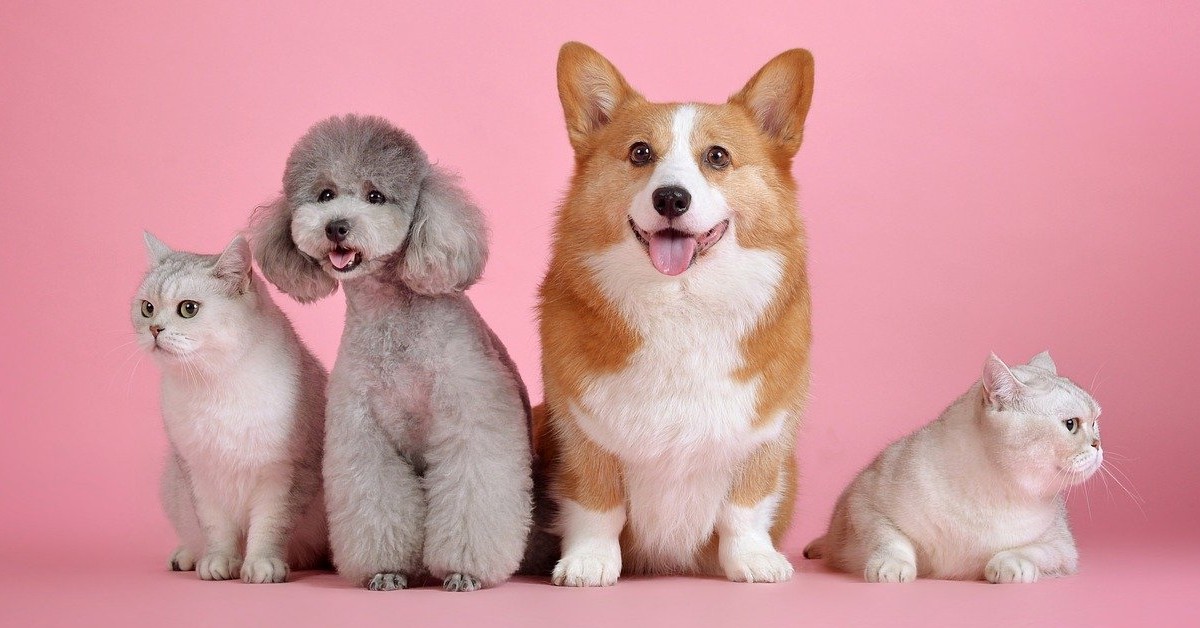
point(147, 309)
point(188, 309)
point(1072, 425)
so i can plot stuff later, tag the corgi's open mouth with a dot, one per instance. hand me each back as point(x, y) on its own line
point(344, 260)
point(672, 251)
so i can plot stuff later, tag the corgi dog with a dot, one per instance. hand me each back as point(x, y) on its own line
point(675, 327)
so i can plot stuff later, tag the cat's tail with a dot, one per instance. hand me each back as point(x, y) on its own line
point(816, 549)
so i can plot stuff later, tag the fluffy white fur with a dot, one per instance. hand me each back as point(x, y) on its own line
point(427, 464)
point(978, 492)
point(243, 404)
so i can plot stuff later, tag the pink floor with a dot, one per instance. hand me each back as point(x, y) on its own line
point(1123, 584)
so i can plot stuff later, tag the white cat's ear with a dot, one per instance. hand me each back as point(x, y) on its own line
point(1044, 362)
point(1000, 386)
point(155, 249)
point(233, 265)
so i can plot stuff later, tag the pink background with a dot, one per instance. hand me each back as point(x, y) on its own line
point(992, 177)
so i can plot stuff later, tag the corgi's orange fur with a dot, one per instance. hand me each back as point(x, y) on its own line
point(675, 327)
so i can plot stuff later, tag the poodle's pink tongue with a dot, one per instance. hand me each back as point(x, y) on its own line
point(671, 252)
point(341, 259)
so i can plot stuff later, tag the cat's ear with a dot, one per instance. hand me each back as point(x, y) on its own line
point(156, 250)
point(1044, 361)
point(1000, 386)
point(233, 266)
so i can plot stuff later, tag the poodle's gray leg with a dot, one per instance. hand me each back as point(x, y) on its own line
point(374, 498)
point(176, 493)
point(478, 481)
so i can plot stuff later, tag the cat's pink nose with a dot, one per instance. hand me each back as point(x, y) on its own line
point(1096, 443)
point(154, 329)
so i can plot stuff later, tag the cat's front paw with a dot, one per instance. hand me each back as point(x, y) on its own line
point(218, 567)
point(762, 566)
point(263, 569)
point(1007, 567)
point(182, 559)
point(387, 581)
point(461, 582)
point(587, 569)
point(887, 568)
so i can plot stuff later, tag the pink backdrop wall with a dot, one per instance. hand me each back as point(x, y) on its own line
point(988, 178)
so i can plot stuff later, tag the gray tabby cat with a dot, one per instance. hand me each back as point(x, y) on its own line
point(243, 402)
point(978, 492)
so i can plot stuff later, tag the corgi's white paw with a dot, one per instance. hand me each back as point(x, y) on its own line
point(587, 569)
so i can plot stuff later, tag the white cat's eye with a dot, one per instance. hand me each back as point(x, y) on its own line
point(188, 309)
point(1072, 425)
point(147, 309)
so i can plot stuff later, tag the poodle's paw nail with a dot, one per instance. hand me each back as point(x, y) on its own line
point(387, 582)
point(461, 582)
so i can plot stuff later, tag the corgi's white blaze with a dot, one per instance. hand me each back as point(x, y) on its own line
point(675, 415)
point(681, 166)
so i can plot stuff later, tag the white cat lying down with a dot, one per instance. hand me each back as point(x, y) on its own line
point(978, 492)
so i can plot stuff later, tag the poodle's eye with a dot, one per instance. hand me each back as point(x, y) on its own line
point(375, 197)
point(717, 157)
point(147, 309)
point(640, 154)
point(326, 195)
point(1072, 425)
point(188, 309)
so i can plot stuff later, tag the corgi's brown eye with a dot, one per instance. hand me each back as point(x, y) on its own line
point(374, 197)
point(147, 309)
point(1072, 425)
point(717, 157)
point(640, 154)
point(325, 195)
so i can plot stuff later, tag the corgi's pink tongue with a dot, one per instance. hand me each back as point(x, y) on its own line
point(341, 259)
point(671, 252)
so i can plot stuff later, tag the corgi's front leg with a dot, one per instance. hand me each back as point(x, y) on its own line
point(591, 512)
point(745, 548)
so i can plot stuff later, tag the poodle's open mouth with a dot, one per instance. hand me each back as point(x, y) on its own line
point(344, 260)
point(673, 251)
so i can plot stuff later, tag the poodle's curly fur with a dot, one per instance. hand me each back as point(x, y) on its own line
point(427, 456)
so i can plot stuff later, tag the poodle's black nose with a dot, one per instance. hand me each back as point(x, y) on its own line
point(671, 201)
point(337, 230)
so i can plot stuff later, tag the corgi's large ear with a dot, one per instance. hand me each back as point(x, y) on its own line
point(778, 97)
point(590, 89)
point(156, 250)
point(447, 242)
point(281, 262)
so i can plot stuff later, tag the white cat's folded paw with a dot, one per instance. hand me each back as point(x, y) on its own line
point(886, 568)
point(1007, 567)
point(218, 567)
point(182, 559)
point(587, 569)
point(263, 569)
point(758, 566)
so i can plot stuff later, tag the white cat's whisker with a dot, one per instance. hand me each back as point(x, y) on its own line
point(1136, 500)
point(1110, 467)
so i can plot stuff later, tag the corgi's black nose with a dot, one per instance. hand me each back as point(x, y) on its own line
point(671, 201)
point(337, 230)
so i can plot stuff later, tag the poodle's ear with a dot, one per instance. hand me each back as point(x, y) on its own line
point(281, 262)
point(447, 243)
point(156, 250)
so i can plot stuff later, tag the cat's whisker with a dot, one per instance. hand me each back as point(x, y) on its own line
point(1113, 467)
point(1136, 500)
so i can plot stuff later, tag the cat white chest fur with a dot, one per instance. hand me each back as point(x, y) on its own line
point(675, 415)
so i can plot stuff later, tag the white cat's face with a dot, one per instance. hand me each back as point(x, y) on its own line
point(1044, 425)
point(190, 308)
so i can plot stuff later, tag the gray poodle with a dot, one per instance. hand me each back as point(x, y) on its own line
point(427, 456)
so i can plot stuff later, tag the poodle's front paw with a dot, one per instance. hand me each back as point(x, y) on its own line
point(182, 559)
point(587, 569)
point(262, 569)
point(387, 581)
point(218, 567)
point(758, 566)
point(461, 582)
point(888, 568)
point(1007, 567)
